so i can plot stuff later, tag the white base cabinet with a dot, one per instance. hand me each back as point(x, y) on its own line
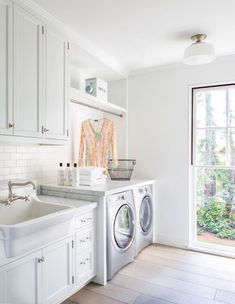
point(56, 271)
point(85, 247)
point(21, 281)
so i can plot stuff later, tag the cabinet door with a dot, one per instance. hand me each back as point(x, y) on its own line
point(21, 281)
point(2, 287)
point(57, 270)
point(27, 73)
point(5, 66)
point(56, 101)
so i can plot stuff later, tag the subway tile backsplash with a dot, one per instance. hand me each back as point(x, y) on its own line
point(35, 162)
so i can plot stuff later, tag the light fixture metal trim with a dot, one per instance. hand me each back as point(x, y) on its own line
point(199, 52)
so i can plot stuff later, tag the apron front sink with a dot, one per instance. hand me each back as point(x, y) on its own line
point(25, 226)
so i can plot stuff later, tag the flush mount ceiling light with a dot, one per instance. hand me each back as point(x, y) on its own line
point(199, 52)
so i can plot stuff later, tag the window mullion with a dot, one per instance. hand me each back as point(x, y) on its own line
point(227, 129)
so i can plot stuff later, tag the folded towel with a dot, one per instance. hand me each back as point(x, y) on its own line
point(91, 170)
point(91, 178)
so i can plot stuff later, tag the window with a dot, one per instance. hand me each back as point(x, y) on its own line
point(214, 163)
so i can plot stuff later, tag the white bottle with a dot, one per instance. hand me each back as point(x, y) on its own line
point(75, 176)
point(60, 176)
point(68, 175)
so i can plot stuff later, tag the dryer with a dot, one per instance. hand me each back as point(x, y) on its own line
point(120, 231)
point(144, 216)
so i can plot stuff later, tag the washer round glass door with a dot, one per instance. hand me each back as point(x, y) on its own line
point(146, 214)
point(123, 227)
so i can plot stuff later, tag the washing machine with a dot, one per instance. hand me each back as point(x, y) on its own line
point(144, 216)
point(120, 231)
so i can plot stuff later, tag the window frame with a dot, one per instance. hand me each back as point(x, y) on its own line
point(193, 243)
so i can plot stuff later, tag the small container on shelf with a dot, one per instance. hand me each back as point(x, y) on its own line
point(97, 87)
point(123, 170)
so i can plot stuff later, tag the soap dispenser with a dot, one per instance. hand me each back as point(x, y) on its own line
point(75, 176)
point(61, 175)
point(68, 175)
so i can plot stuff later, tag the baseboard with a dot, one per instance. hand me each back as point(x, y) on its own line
point(169, 241)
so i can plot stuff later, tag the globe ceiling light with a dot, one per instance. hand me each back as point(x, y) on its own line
point(199, 52)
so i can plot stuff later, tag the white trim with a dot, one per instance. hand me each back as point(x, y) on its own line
point(206, 248)
point(193, 244)
point(165, 239)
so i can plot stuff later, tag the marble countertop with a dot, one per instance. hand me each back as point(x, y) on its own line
point(74, 203)
point(110, 187)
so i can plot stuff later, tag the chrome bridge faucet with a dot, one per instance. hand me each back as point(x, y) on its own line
point(12, 197)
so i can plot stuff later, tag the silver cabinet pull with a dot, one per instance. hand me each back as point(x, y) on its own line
point(84, 262)
point(44, 130)
point(41, 260)
point(11, 125)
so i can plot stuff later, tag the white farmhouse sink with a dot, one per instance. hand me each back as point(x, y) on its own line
point(25, 226)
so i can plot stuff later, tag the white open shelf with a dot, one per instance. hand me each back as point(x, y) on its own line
point(85, 99)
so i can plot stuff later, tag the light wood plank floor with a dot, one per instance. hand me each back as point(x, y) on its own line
point(166, 275)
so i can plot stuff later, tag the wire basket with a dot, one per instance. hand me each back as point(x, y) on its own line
point(123, 170)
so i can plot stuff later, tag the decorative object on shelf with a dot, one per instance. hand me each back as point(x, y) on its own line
point(200, 52)
point(123, 170)
point(97, 142)
point(97, 87)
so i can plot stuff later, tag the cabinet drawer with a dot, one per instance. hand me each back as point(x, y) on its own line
point(85, 238)
point(85, 266)
point(84, 220)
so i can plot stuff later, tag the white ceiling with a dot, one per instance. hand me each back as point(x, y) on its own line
point(145, 33)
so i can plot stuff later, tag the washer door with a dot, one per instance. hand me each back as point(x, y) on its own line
point(123, 227)
point(146, 214)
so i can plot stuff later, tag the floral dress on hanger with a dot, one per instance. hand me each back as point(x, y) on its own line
point(97, 145)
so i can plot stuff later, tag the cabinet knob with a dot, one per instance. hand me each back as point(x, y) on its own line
point(45, 130)
point(11, 125)
point(41, 260)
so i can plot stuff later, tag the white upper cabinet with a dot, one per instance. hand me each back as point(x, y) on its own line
point(5, 66)
point(27, 73)
point(56, 101)
point(34, 76)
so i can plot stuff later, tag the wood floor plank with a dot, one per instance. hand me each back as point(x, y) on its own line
point(115, 292)
point(182, 265)
point(85, 296)
point(166, 275)
point(149, 274)
point(158, 291)
point(195, 258)
point(144, 299)
point(225, 296)
point(67, 302)
point(155, 270)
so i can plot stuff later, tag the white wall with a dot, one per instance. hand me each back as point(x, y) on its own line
point(159, 109)
point(117, 94)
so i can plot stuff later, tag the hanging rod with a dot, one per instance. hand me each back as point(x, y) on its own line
point(95, 108)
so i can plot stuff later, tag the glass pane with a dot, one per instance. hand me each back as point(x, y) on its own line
point(231, 141)
point(124, 226)
point(146, 214)
point(231, 97)
point(211, 108)
point(211, 147)
point(215, 199)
